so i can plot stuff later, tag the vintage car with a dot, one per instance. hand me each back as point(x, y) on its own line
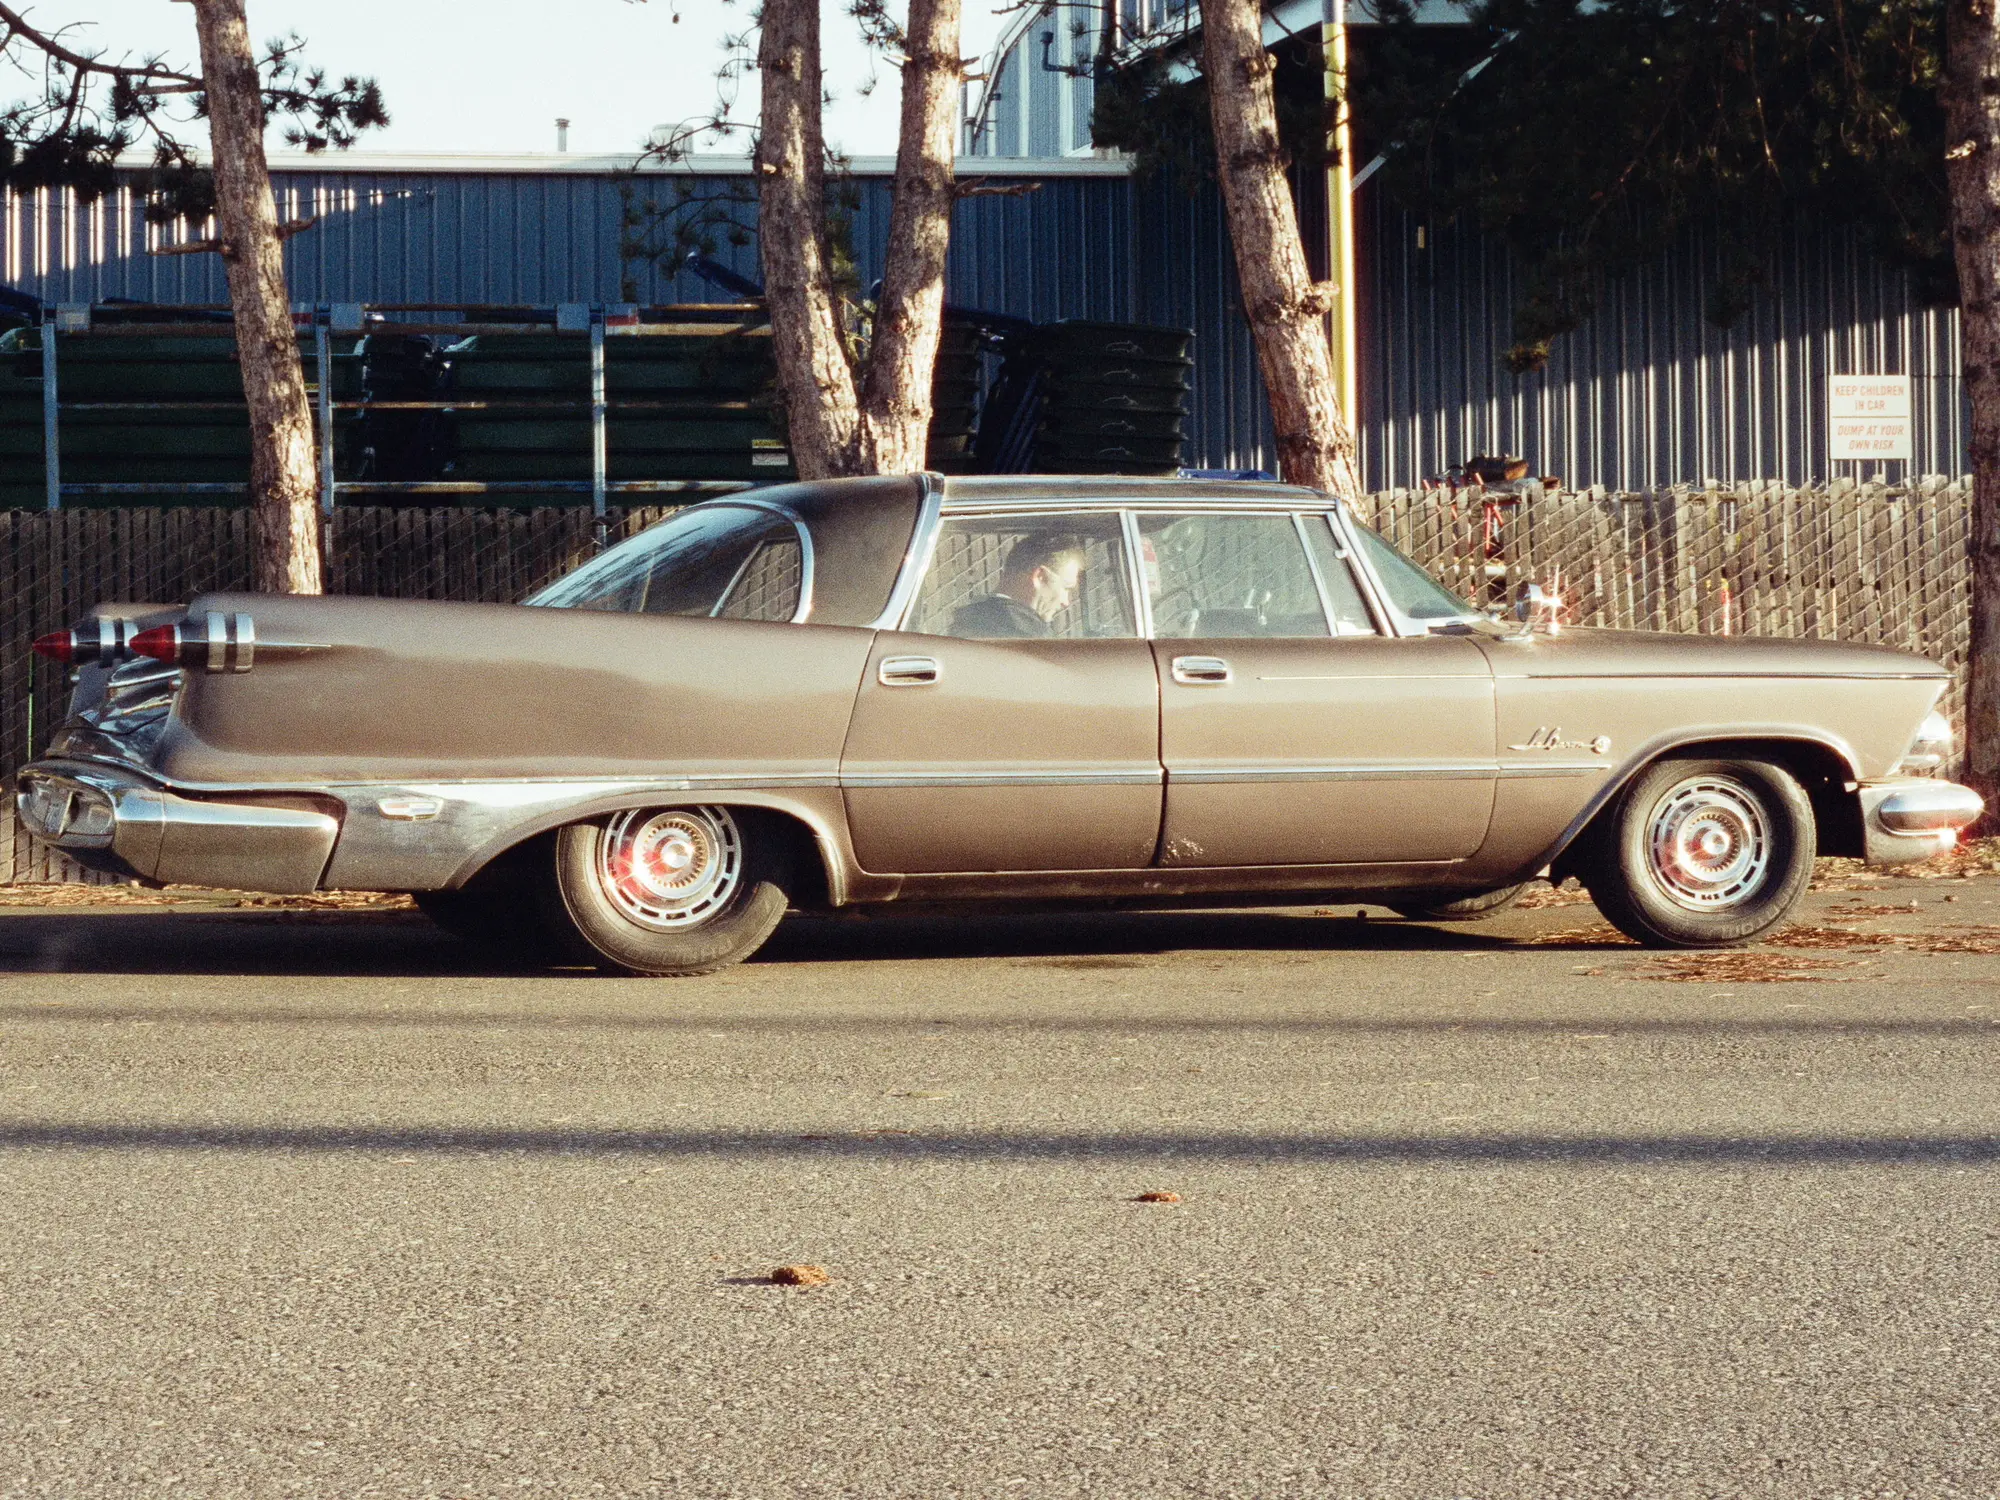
point(881, 692)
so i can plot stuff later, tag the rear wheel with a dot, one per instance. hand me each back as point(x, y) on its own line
point(665, 891)
point(1465, 909)
point(1704, 854)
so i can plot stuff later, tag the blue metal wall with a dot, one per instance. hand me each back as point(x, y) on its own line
point(1647, 393)
point(1097, 246)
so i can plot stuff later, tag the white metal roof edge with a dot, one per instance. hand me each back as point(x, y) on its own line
point(576, 165)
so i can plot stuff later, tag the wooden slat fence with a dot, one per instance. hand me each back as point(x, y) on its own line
point(1855, 562)
point(1866, 563)
point(55, 564)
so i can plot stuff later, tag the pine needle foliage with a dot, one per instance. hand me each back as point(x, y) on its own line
point(1598, 132)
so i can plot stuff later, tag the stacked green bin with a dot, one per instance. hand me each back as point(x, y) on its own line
point(1115, 397)
point(955, 397)
point(23, 483)
point(688, 405)
point(204, 441)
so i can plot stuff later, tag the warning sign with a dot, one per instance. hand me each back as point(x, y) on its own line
point(1868, 417)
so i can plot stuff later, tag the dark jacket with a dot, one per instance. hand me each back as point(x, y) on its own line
point(996, 617)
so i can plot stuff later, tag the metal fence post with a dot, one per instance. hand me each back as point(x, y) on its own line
point(323, 349)
point(600, 453)
point(51, 450)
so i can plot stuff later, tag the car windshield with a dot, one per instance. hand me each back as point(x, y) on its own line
point(1412, 593)
point(738, 561)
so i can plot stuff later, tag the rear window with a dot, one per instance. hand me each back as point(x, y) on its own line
point(738, 561)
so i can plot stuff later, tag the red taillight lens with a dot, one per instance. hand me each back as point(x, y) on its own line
point(58, 645)
point(162, 643)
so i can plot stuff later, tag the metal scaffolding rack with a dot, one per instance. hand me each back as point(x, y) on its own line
point(592, 321)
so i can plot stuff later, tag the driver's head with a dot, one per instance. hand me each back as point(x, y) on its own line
point(1042, 572)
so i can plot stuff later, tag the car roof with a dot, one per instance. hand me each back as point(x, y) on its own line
point(981, 489)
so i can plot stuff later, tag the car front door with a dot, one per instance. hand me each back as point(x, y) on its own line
point(1294, 729)
point(1013, 724)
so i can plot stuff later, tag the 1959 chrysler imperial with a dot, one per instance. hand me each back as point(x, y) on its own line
point(950, 690)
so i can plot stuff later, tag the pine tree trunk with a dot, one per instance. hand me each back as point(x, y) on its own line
point(896, 399)
point(815, 379)
point(1972, 114)
point(1284, 306)
point(283, 471)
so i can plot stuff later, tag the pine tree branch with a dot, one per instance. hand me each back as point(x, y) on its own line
point(164, 80)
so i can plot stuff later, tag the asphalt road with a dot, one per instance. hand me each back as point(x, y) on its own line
point(322, 1205)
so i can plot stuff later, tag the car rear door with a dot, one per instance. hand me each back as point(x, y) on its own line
point(1011, 752)
point(1294, 729)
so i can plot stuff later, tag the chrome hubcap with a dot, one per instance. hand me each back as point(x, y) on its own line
point(670, 870)
point(1710, 844)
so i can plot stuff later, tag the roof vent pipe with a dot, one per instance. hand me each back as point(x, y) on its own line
point(562, 134)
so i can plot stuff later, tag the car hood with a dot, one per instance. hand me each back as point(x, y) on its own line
point(1639, 653)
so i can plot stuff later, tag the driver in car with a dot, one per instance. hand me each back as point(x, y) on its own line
point(1035, 585)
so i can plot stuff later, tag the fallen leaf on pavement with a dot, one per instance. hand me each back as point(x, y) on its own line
point(1833, 937)
point(1742, 968)
point(801, 1275)
point(1576, 937)
point(1158, 1198)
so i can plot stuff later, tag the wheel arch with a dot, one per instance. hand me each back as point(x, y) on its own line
point(1825, 767)
point(810, 836)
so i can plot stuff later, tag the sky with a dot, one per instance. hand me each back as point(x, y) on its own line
point(494, 75)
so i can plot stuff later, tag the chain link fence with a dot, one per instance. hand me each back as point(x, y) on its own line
point(1864, 563)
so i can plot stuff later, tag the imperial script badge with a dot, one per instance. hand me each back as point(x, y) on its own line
point(1549, 737)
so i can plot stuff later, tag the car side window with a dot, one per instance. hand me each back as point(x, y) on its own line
point(1007, 577)
point(702, 561)
point(768, 585)
point(1336, 572)
point(1228, 575)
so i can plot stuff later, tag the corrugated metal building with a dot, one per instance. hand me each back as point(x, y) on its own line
point(1082, 240)
point(1648, 393)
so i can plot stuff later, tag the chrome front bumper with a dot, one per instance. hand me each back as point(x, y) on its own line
point(1914, 818)
point(118, 820)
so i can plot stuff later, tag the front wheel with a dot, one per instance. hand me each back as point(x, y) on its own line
point(1704, 854)
point(665, 891)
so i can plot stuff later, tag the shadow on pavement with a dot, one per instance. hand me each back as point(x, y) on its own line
point(401, 944)
point(942, 1145)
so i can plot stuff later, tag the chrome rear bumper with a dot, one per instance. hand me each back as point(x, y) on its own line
point(113, 819)
point(1914, 818)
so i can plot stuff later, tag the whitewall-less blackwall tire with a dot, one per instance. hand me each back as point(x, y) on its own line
point(1704, 853)
point(667, 891)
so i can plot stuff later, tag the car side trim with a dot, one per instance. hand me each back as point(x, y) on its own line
point(1385, 771)
point(1062, 776)
point(1722, 676)
point(1467, 770)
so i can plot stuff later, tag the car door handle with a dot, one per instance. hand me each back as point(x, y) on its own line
point(1201, 671)
point(908, 671)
